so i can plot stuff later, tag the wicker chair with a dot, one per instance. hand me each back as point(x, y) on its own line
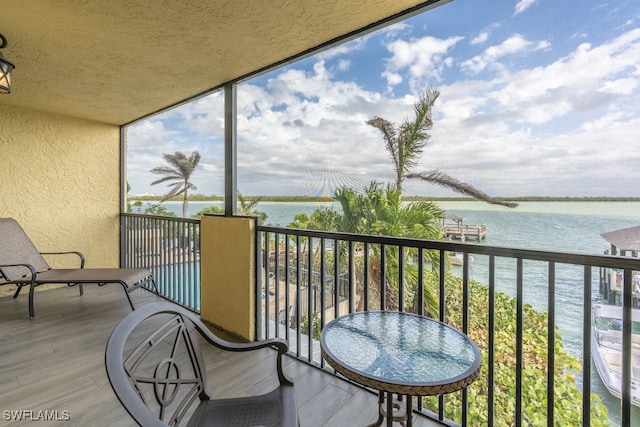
point(156, 369)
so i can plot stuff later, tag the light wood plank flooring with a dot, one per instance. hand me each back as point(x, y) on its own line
point(55, 362)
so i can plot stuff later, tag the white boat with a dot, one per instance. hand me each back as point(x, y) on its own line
point(606, 348)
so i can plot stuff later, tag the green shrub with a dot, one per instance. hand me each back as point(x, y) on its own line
point(567, 397)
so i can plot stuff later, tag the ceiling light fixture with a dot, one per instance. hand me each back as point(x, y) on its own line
point(5, 69)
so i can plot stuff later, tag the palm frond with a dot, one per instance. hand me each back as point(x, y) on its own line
point(166, 178)
point(181, 169)
point(390, 136)
point(442, 179)
point(413, 133)
point(175, 191)
point(164, 170)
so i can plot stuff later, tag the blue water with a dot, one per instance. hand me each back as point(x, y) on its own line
point(169, 275)
point(554, 226)
point(562, 227)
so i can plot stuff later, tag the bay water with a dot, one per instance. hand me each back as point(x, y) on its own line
point(573, 227)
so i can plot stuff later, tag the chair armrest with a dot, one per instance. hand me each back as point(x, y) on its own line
point(31, 268)
point(79, 254)
point(278, 344)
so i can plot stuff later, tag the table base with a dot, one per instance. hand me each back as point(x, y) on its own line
point(392, 410)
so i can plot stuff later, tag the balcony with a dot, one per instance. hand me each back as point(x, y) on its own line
point(297, 277)
point(55, 363)
point(64, 154)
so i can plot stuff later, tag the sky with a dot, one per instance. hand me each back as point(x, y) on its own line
point(537, 98)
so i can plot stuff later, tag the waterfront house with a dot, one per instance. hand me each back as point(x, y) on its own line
point(83, 71)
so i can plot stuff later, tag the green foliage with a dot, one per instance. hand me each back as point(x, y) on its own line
point(567, 412)
point(178, 173)
point(152, 209)
point(317, 327)
point(249, 207)
point(209, 210)
point(406, 142)
point(378, 211)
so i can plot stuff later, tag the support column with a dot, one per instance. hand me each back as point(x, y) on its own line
point(230, 150)
point(228, 273)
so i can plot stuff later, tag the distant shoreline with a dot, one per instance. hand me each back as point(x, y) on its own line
point(306, 199)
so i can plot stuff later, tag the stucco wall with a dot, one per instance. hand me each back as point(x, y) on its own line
point(227, 278)
point(59, 180)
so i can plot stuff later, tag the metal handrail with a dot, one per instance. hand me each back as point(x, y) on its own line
point(310, 297)
point(300, 333)
point(170, 248)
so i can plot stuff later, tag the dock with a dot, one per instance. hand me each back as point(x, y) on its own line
point(453, 227)
point(624, 242)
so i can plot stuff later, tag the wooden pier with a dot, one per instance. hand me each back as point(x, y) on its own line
point(453, 227)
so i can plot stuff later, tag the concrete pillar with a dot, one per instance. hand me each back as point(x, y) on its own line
point(228, 273)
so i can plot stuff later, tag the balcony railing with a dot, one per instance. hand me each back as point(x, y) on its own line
point(383, 273)
point(170, 248)
point(307, 278)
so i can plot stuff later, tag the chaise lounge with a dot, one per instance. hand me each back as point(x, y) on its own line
point(22, 264)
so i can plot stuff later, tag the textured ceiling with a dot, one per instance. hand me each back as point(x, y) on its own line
point(115, 61)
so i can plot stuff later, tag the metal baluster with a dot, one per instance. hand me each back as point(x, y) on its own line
point(297, 298)
point(276, 281)
point(310, 298)
point(322, 289)
point(383, 287)
point(366, 276)
point(519, 329)
point(627, 301)
point(465, 325)
point(551, 342)
point(400, 278)
point(336, 278)
point(441, 316)
point(352, 290)
point(266, 262)
point(492, 340)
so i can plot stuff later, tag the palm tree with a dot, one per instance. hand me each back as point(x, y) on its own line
point(180, 170)
point(249, 207)
point(378, 211)
point(405, 144)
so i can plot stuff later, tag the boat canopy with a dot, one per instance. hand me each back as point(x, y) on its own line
point(614, 312)
point(626, 239)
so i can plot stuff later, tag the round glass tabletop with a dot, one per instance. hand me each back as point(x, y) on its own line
point(400, 352)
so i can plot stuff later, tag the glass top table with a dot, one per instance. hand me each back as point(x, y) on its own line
point(400, 353)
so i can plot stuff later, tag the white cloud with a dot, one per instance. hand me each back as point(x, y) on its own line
point(422, 59)
point(624, 86)
point(542, 130)
point(345, 48)
point(581, 81)
point(513, 45)
point(523, 5)
point(480, 38)
point(393, 79)
point(301, 150)
point(495, 134)
point(344, 65)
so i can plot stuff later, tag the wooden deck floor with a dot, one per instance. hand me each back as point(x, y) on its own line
point(55, 362)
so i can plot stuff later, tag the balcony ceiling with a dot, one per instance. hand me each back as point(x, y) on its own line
point(115, 61)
